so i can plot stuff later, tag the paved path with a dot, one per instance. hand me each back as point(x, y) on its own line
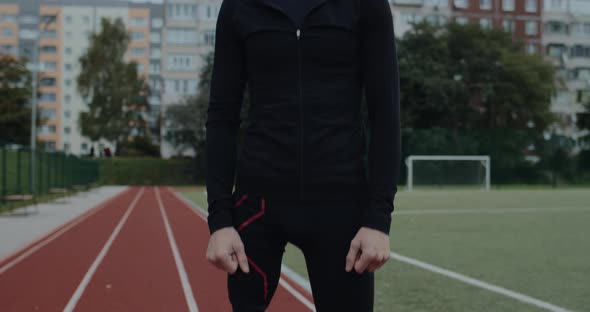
point(19, 230)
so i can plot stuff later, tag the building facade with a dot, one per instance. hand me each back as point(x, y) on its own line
point(566, 38)
point(61, 29)
point(189, 34)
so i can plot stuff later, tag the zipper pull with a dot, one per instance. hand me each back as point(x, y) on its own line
point(298, 34)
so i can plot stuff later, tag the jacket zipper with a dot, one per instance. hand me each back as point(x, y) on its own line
point(298, 33)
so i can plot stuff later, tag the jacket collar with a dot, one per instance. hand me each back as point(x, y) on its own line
point(273, 5)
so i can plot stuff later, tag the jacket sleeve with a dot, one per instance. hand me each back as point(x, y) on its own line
point(228, 80)
point(381, 84)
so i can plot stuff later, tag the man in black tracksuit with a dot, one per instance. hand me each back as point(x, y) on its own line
point(300, 175)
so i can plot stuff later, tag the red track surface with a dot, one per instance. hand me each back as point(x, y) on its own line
point(138, 271)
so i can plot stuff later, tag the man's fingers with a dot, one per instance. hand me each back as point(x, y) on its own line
point(242, 259)
point(230, 264)
point(352, 255)
point(378, 263)
point(367, 258)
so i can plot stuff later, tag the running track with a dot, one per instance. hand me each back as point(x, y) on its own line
point(142, 250)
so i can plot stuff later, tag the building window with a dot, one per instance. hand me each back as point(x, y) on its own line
point(138, 52)
point(47, 82)
point(67, 114)
point(84, 146)
point(531, 28)
point(49, 145)
point(68, 19)
point(157, 23)
point(181, 62)
point(531, 48)
point(560, 28)
point(137, 36)
point(155, 53)
point(47, 19)
point(67, 82)
point(47, 129)
point(531, 6)
point(47, 97)
point(209, 37)
point(68, 99)
point(48, 49)
point(155, 37)
point(48, 66)
point(139, 22)
point(8, 49)
point(508, 5)
point(29, 19)
point(47, 113)
point(7, 18)
point(140, 68)
point(579, 51)
point(67, 147)
point(155, 84)
point(556, 4)
point(49, 34)
point(181, 11)
point(7, 32)
point(68, 51)
point(485, 4)
point(181, 36)
point(86, 19)
point(181, 87)
point(462, 4)
point(485, 23)
point(461, 20)
point(68, 66)
point(154, 68)
point(67, 130)
point(508, 26)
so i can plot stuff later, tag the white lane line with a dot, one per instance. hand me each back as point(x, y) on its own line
point(295, 277)
point(488, 211)
point(39, 243)
point(297, 294)
point(203, 214)
point(86, 280)
point(479, 283)
point(186, 285)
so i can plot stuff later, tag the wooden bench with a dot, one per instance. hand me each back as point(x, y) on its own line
point(21, 198)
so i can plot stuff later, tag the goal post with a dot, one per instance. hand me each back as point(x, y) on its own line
point(484, 160)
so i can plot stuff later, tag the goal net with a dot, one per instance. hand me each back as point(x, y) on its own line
point(448, 171)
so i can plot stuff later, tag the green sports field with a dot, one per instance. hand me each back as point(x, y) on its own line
point(533, 243)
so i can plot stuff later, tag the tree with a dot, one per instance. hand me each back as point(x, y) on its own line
point(185, 121)
point(468, 90)
point(15, 92)
point(118, 95)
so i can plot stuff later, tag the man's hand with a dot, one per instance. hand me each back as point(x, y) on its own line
point(226, 251)
point(369, 250)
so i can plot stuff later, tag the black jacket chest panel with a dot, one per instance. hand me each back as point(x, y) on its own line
point(328, 36)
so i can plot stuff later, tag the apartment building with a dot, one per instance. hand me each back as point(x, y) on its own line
point(520, 17)
point(189, 34)
point(566, 38)
point(406, 12)
point(60, 30)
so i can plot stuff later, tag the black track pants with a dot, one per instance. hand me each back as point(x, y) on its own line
point(323, 230)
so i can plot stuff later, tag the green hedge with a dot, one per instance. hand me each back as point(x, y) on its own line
point(148, 171)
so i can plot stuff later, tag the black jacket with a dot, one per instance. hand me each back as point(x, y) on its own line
point(305, 81)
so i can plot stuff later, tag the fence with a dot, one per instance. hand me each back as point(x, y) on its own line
point(52, 171)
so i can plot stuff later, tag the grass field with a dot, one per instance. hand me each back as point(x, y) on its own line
point(534, 242)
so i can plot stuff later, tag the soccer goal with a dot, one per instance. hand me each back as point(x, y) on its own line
point(437, 171)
